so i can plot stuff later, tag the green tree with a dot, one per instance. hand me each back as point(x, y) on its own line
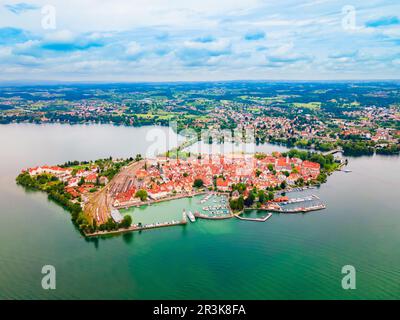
point(126, 221)
point(237, 204)
point(322, 177)
point(198, 183)
point(286, 173)
point(261, 196)
point(81, 182)
point(142, 194)
point(248, 202)
point(240, 201)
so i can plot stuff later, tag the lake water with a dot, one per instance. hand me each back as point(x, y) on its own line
point(168, 211)
point(228, 148)
point(287, 257)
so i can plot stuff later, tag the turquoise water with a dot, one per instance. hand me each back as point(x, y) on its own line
point(167, 211)
point(287, 257)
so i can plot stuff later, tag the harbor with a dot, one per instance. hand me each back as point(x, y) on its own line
point(206, 206)
point(211, 206)
point(298, 200)
point(214, 206)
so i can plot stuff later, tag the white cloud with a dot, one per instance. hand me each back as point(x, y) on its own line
point(215, 45)
point(62, 36)
point(185, 40)
point(133, 48)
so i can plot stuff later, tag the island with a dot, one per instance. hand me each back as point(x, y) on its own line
point(96, 192)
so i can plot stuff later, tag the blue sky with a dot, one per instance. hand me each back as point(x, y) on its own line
point(177, 40)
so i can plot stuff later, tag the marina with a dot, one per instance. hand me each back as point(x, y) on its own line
point(214, 205)
point(210, 206)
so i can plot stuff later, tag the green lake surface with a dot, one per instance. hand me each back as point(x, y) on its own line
point(298, 256)
point(167, 211)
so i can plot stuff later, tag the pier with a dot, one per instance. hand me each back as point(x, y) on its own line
point(298, 200)
point(137, 228)
point(333, 151)
point(221, 217)
point(304, 209)
point(297, 189)
point(269, 215)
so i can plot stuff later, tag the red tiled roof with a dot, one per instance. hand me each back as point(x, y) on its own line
point(311, 165)
point(222, 183)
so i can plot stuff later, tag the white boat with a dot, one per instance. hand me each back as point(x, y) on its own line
point(191, 216)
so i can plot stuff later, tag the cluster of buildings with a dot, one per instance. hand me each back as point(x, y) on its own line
point(77, 182)
point(365, 123)
point(164, 177)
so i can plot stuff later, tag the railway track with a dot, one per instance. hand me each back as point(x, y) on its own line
point(100, 202)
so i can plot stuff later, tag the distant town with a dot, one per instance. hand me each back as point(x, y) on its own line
point(362, 118)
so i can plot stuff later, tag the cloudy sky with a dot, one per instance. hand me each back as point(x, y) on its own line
point(180, 40)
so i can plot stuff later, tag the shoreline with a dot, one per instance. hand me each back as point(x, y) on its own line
point(206, 217)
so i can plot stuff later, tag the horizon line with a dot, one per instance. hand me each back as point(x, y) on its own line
point(16, 82)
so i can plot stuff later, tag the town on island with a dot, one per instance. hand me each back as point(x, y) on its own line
point(226, 186)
